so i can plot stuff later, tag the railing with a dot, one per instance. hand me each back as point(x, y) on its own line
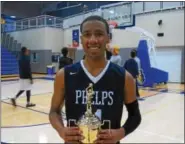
point(33, 22)
point(141, 7)
point(138, 8)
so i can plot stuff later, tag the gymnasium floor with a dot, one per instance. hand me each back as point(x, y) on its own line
point(162, 114)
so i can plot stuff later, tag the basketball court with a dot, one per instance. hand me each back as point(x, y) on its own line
point(162, 107)
point(162, 115)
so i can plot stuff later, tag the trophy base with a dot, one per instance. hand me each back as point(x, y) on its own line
point(90, 135)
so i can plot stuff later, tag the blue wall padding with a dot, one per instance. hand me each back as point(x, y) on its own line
point(152, 75)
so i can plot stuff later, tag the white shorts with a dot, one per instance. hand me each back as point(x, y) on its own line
point(25, 84)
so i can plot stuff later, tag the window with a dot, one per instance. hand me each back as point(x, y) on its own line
point(152, 6)
point(170, 5)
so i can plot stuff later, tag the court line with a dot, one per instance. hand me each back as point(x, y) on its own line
point(41, 112)
point(9, 83)
point(24, 126)
point(160, 135)
point(148, 96)
point(48, 113)
point(26, 108)
point(48, 95)
point(154, 110)
point(31, 95)
point(163, 90)
point(45, 78)
point(38, 106)
point(171, 138)
point(42, 93)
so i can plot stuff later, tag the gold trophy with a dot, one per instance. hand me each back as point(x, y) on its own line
point(89, 124)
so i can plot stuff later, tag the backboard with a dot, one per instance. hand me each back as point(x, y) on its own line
point(121, 13)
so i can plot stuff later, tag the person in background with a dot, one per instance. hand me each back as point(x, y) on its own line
point(64, 60)
point(137, 60)
point(108, 52)
point(116, 58)
point(140, 71)
point(84, 56)
point(25, 75)
point(132, 67)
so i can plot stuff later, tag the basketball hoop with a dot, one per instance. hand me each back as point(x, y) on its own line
point(112, 25)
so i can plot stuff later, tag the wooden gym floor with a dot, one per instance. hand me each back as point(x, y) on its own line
point(162, 114)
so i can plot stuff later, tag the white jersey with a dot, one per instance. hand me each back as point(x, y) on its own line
point(116, 59)
point(138, 62)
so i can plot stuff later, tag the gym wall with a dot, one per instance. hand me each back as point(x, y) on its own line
point(172, 27)
point(46, 38)
point(44, 59)
point(170, 59)
point(54, 39)
point(169, 48)
point(42, 42)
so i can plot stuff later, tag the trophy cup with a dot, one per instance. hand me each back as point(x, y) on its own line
point(89, 124)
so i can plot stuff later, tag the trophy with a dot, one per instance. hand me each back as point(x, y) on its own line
point(89, 123)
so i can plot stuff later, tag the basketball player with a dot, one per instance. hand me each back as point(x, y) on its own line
point(113, 87)
point(116, 58)
point(64, 60)
point(132, 67)
point(139, 70)
point(137, 60)
point(25, 77)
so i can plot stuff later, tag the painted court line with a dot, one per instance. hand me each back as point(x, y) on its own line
point(41, 112)
point(45, 93)
point(151, 95)
point(17, 79)
point(122, 121)
point(25, 126)
point(156, 134)
point(38, 106)
point(156, 109)
point(160, 135)
point(163, 90)
point(26, 108)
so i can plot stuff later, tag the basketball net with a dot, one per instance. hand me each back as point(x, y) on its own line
point(112, 25)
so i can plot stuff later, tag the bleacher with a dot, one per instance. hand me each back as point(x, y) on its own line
point(9, 55)
point(11, 45)
point(9, 62)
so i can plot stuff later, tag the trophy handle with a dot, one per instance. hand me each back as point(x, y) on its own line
point(104, 121)
point(72, 120)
